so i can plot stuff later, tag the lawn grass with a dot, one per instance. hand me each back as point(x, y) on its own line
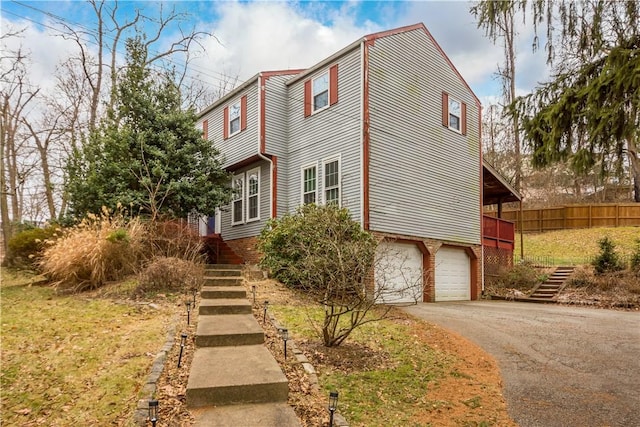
point(390, 395)
point(574, 247)
point(73, 359)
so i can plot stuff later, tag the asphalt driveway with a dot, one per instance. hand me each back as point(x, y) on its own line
point(561, 366)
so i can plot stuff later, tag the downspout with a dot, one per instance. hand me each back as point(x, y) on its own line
point(479, 106)
point(261, 139)
point(361, 134)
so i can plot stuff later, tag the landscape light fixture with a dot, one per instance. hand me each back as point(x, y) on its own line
point(264, 316)
point(188, 304)
point(153, 412)
point(285, 337)
point(194, 290)
point(253, 289)
point(333, 405)
point(183, 341)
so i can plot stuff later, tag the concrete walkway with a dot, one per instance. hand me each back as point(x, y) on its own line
point(234, 380)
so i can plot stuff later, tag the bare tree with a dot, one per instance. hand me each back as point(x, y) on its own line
point(16, 95)
point(108, 35)
point(502, 29)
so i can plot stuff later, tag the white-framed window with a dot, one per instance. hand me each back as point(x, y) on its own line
point(309, 184)
point(253, 195)
point(234, 118)
point(331, 180)
point(455, 114)
point(320, 91)
point(237, 204)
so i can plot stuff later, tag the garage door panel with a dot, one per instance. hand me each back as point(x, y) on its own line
point(452, 281)
point(398, 273)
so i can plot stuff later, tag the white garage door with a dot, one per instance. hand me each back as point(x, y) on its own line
point(452, 275)
point(398, 273)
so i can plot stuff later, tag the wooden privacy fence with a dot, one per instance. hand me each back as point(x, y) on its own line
point(575, 216)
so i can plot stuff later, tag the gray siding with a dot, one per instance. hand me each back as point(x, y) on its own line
point(276, 130)
point(424, 178)
point(333, 131)
point(241, 145)
point(253, 228)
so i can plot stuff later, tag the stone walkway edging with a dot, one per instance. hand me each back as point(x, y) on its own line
point(338, 420)
point(141, 414)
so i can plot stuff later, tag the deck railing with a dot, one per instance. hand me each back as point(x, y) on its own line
point(498, 233)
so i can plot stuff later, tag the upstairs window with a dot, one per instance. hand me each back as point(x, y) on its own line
point(332, 181)
point(454, 114)
point(253, 195)
point(320, 92)
point(309, 184)
point(237, 210)
point(235, 117)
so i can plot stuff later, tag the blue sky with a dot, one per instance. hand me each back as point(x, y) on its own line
point(251, 36)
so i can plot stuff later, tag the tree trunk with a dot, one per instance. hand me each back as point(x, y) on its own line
point(634, 160)
point(4, 191)
point(509, 40)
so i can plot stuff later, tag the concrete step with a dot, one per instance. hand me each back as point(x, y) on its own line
point(228, 330)
point(222, 273)
point(238, 267)
point(224, 306)
point(536, 299)
point(257, 414)
point(235, 375)
point(222, 281)
point(213, 292)
point(541, 296)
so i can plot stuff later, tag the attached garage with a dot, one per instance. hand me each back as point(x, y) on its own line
point(452, 281)
point(398, 273)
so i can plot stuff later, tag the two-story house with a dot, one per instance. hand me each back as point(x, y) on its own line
point(386, 127)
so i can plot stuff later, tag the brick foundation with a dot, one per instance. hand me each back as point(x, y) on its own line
point(246, 248)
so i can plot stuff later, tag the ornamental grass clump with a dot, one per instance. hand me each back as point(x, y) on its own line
point(100, 249)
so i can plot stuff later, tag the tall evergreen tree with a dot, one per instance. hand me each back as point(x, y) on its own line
point(589, 112)
point(147, 155)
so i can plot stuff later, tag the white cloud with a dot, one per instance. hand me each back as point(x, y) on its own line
point(262, 36)
point(44, 51)
point(257, 36)
point(473, 54)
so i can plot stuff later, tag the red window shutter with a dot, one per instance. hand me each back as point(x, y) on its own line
point(243, 112)
point(205, 129)
point(445, 109)
point(333, 85)
point(463, 126)
point(307, 98)
point(225, 126)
